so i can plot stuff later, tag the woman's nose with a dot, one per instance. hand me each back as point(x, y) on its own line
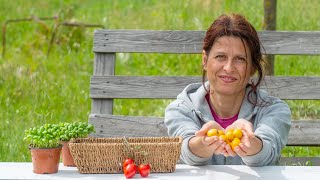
point(228, 67)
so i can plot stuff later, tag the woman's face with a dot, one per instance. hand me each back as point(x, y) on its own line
point(228, 66)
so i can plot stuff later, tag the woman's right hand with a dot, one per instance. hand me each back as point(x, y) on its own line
point(205, 146)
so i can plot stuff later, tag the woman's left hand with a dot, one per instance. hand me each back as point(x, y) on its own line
point(249, 144)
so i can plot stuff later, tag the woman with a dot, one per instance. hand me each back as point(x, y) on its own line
point(228, 100)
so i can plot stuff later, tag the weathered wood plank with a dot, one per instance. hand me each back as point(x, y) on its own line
point(294, 42)
point(148, 41)
point(300, 161)
point(131, 126)
point(284, 87)
point(302, 133)
point(274, 42)
point(104, 64)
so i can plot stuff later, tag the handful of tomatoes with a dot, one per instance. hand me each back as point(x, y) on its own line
point(130, 169)
point(231, 137)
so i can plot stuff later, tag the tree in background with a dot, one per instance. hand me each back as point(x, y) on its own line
point(270, 21)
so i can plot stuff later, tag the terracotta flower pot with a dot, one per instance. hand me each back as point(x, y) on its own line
point(45, 160)
point(67, 158)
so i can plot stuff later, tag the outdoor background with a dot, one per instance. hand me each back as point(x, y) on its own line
point(37, 89)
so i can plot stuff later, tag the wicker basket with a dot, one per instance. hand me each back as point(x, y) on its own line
point(106, 155)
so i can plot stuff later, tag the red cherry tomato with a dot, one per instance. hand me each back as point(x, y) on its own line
point(130, 170)
point(127, 162)
point(144, 170)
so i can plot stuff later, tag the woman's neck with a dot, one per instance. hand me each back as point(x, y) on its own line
point(226, 106)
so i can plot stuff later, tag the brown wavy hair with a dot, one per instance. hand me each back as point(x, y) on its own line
point(236, 25)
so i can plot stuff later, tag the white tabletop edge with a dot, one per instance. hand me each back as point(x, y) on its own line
point(23, 170)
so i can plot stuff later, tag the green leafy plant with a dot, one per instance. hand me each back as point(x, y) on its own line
point(75, 130)
point(46, 136)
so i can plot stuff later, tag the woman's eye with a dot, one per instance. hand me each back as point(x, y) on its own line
point(240, 59)
point(220, 57)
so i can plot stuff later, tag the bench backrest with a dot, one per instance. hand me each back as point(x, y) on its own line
point(106, 86)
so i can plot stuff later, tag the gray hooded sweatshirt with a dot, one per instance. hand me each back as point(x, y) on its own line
point(271, 123)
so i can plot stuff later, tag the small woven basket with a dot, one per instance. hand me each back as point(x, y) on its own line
point(106, 155)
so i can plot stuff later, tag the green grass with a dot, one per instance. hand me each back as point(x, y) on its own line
point(36, 89)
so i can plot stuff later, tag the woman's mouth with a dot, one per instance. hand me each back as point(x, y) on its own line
point(227, 79)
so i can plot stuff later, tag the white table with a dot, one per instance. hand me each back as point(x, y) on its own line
point(15, 170)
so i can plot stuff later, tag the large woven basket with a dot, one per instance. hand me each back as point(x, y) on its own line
point(106, 155)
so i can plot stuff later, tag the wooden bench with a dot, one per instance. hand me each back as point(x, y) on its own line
point(106, 86)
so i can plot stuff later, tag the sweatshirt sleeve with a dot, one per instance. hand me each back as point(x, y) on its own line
point(182, 121)
point(272, 127)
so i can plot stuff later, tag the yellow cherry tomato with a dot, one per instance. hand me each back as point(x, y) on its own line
point(237, 133)
point(230, 135)
point(220, 132)
point(223, 137)
point(212, 132)
point(235, 142)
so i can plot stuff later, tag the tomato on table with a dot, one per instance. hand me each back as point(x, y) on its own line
point(144, 170)
point(130, 170)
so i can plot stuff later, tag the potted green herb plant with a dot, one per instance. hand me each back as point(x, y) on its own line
point(72, 130)
point(45, 148)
